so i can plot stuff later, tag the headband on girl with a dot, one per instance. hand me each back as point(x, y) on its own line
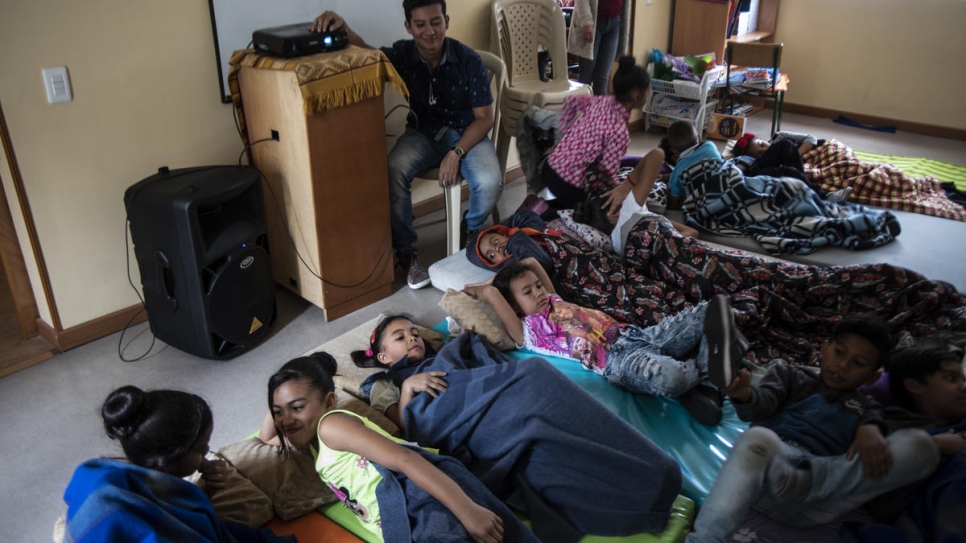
point(742, 143)
point(372, 342)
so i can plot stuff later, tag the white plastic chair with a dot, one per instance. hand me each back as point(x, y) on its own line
point(426, 185)
point(518, 28)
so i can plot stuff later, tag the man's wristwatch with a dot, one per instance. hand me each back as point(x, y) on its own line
point(459, 152)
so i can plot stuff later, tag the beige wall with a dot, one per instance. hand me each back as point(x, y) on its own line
point(146, 94)
point(887, 58)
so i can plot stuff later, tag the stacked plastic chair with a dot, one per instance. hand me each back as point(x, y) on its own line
point(518, 29)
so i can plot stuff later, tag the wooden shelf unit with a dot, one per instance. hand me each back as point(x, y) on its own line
point(701, 27)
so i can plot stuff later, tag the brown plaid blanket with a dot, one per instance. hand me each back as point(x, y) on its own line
point(834, 166)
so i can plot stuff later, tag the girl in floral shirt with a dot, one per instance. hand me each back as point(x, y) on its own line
point(586, 160)
point(668, 360)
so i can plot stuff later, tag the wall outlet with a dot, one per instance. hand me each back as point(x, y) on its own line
point(57, 84)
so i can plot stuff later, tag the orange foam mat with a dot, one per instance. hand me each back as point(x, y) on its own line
point(312, 528)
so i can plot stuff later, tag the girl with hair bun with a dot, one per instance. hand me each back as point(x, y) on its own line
point(399, 491)
point(585, 161)
point(143, 497)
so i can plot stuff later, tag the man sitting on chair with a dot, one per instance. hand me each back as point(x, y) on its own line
point(451, 115)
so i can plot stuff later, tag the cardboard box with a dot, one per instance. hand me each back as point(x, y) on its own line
point(725, 127)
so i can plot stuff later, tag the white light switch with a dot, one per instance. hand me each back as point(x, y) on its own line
point(57, 84)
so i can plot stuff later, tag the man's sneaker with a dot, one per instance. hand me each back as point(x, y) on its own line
point(416, 276)
point(840, 195)
point(703, 403)
point(726, 345)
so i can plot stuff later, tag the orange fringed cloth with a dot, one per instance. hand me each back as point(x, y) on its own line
point(327, 80)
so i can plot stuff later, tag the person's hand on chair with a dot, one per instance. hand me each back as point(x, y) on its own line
point(449, 170)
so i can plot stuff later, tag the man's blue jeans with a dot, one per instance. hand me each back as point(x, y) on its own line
point(666, 359)
point(597, 71)
point(415, 153)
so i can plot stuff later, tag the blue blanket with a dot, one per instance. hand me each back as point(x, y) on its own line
point(533, 436)
point(409, 513)
point(110, 500)
point(783, 214)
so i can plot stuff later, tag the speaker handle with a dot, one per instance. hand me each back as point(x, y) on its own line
point(165, 276)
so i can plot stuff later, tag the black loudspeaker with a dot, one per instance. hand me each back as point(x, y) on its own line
point(201, 247)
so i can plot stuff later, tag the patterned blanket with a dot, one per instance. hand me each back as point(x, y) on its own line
point(783, 214)
point(834, 166)
point(786, 310)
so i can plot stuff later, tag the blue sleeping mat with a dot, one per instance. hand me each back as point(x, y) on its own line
point(699, 449)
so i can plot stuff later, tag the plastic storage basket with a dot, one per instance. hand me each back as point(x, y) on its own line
point(683, 88)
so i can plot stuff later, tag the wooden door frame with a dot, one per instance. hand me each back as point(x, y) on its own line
point(11, 253)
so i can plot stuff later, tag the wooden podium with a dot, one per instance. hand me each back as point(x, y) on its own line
point(326, 192)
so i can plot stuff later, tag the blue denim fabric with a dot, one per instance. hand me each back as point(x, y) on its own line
point(666, 359)
point(415, 153)
point(838, 485)
point(597, 71)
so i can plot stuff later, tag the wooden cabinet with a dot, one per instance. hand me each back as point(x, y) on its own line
point(326, 193)
point(701, 26)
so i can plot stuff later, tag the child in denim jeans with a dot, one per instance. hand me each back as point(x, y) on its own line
point(816, 447)
point(668, 360)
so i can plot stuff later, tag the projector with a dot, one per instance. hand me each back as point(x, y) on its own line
point(296, 40)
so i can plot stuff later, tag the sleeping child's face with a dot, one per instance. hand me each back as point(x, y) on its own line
point(529, 296)
point(492, 246)
point(756, 147)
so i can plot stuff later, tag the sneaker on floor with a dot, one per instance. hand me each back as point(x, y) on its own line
point(416, 276)
point(703, 403)
point(840, 195)
point(465, 233)
point(726, 345)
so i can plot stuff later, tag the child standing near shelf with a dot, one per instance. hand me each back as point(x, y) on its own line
point(667, 360)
